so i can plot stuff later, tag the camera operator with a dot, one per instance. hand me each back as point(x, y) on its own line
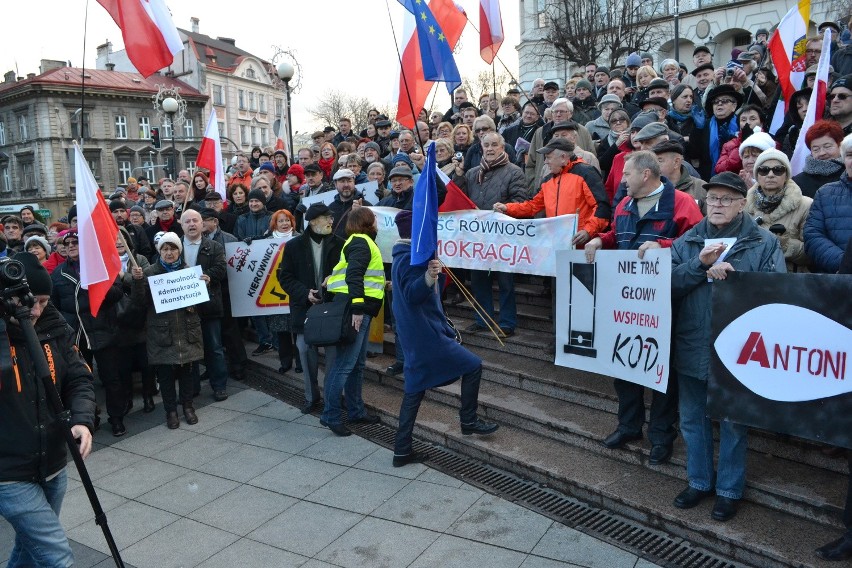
point(32, 443)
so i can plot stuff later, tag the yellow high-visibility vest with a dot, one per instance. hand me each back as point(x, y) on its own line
point(374, 277)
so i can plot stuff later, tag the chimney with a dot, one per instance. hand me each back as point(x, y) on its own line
point(232, 41)
point(110, 66)
point(30, 75)
point(9, 77)
point(195, 22)
point(51, 64)
point(104, 49)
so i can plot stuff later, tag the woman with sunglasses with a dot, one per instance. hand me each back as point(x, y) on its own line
point(776, 203)
point(721, 126)
point(619, 135)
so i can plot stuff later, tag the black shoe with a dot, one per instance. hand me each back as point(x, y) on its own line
point(118, 428)
point(172, 420)
point(189, 414)
point(660, 454)
point(285, 368)
point(840, 549)
point(148, 404)
point(474, 327)
point(413, 457)
point(690, 497)
point(129, 406)
point(219, 396)
point(507, 331)
point(394, 369)
point(298, 368)
point(366, 419)
point(309, 407)
point(480, 427)
point(724, 509)
point(618, 439)
point(338, 429)
point(262, 348)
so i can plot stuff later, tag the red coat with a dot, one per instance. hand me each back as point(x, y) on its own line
point(616, 172)
point(729, 156)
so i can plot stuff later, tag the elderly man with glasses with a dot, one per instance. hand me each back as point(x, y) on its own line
point(562, 110)
point(482, 125)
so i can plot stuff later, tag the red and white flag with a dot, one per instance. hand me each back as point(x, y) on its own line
point(97, 233)
point(456, 199)
point(787, 47)
point(150, 36)
point(816, 106)
point(210, 155)
point(281, 134)
point(452, 19)
point(490, 29)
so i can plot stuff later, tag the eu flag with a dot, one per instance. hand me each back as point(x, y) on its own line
point(435, 50)
point(424, 213)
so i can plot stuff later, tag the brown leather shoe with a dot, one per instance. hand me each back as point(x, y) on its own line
point(189, 414)
point(172, 420)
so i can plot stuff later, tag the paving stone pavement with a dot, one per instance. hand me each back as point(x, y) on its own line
point(257, 484)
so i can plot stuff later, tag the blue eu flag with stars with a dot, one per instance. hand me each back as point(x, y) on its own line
point(438, 61)
point(424, 213)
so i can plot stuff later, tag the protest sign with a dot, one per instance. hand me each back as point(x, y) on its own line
point(485, 240)
point(781, 354)
point(613, 316)
point(178, 289)
point(368, 190)
point(253, 278)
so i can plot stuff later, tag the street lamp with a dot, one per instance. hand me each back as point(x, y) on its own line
point(285, 73)
point(170, 107)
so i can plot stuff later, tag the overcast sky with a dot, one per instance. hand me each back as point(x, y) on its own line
point(344, 45)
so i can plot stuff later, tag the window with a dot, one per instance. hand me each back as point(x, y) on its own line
point(254, 141)
point(125, 171)
point(149, 169)
point(252, 105)
point(2, 133)
point(244, 139)
point(218, 95)
point(75, 125)
point(261, 103)
point(190, 165)
point(144, 128)
point(93, 163)
point(264, 136)
point(166, 129)
point(222, 129)
point(22, 127)
point(241, 99)
point(188, 128)
point(5, 179)
point(250, 74)
point(279, 107)
point(541, 13)
point(120, 126)
point(28, 175)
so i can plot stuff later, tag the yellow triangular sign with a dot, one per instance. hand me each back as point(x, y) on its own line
point(271, 295)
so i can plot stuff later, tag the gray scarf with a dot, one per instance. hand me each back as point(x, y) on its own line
point(822, 167)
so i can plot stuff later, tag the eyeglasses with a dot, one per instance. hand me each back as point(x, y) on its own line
point(71, 243)
point(617, 120)
point(723, 201)
point(813, 51)
point(777, 170)
point(481, 130)
point(724, 101)
point(838, 96)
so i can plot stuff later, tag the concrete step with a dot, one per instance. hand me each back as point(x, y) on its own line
point(760, 535)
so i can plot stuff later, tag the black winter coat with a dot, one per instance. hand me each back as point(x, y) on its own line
point(211, 259)
point(32, 445)
point(73, 303)
point(297, 272)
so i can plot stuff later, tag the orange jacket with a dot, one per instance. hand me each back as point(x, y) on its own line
point(578, 189)
point(245, 179)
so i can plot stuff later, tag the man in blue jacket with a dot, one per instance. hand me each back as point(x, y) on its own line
point(423, 331)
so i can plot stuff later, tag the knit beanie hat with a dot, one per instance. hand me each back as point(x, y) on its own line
point(298, 171)
point(633, 60)
point(583, 84)
point(36, 239)
point(772, 154)
point(759, 140)
point(171, 238)
point(257, 194)
point(37, 275)
point(403, 224)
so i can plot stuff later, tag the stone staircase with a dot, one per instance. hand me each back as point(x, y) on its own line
point(554, 418)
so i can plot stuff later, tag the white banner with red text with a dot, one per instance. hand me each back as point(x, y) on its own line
point(485, 240)
point(253, 278)
point(614, 316)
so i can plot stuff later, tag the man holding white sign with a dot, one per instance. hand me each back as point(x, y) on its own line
point(652, 215)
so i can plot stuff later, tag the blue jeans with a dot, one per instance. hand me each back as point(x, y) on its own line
point(697, 432)
point(411, 404)
point(309, 355)
point(347, 376)
point(33, 511)
point(480, 283)
point(262, 329)
point(214, 353)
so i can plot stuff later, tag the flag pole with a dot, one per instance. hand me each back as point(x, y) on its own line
point(497, 57)
point(404, 78)
point(82, 118)
point(486, 318)
point(130, 253)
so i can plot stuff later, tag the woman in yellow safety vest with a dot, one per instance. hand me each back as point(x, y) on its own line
point(361, 275)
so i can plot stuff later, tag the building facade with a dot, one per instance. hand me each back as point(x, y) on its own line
point(41, 117)
point(247, 95)
point(722, 25)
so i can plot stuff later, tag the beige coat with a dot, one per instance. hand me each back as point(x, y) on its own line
point(792, 212)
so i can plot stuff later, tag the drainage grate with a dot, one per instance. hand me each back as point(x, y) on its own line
point(652, 545)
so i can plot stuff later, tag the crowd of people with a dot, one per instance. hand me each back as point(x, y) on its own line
point(647, 155)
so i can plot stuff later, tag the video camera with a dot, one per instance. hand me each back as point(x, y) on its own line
point(13, 283)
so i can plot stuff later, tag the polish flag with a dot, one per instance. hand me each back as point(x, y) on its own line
point(452, 19)
point(210, 155)
point(455, 200)
point(490, 29)
point(281, 135)
point(150, 36)
point(787, 48)
point(816, 106)
point(97, 233)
